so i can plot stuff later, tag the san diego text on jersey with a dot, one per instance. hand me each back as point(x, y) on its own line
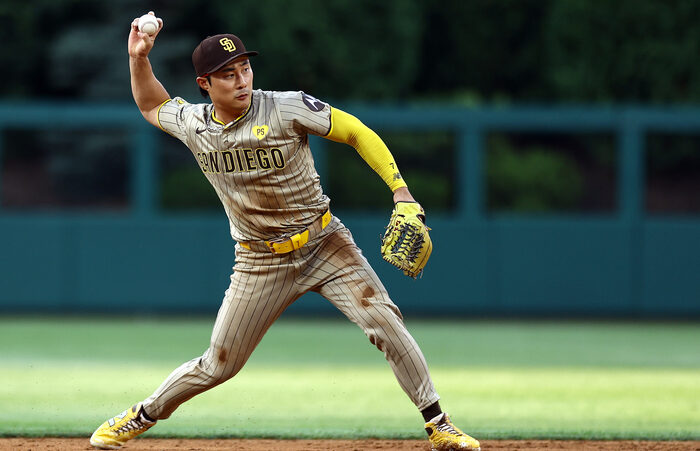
point(241, 160)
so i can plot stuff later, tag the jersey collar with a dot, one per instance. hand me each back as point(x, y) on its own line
point(238, 119)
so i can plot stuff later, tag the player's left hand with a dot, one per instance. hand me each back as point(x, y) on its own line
point(406, 243)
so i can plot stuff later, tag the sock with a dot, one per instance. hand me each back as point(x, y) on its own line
point(431, 411)
point(146, 417)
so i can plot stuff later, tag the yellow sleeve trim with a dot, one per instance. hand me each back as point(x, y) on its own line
point(348, 129)
point(158, 115)
point(330, 130)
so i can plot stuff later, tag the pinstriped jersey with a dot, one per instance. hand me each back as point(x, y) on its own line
point(260, 164)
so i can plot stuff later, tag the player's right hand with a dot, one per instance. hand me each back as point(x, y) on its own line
point(140, 44)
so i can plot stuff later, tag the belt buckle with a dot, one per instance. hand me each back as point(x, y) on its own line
point(279, 245)
point(271, 246)
point(288, 244)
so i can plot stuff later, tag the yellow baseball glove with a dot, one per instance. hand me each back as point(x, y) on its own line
point(406, 243)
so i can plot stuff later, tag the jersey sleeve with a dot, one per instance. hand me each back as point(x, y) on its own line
point(304, 114)
point(171, 117)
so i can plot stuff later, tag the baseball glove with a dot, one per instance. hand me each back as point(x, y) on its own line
point(406, 243)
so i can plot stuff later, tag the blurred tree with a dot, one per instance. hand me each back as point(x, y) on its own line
point(21, 50)
point(89, 60)
point(58, 49)
point(531, 180)
point(624, 51)
point(483, 49)
point(479, 50)
point(476, 51)
point(342, 49)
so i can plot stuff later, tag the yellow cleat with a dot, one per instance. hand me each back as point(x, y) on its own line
point(113, 433)
point(445, 436)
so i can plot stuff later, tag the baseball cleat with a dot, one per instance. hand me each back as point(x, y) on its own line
point(445, 436)
point(113, 433)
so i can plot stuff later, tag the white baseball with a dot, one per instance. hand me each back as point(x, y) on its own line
point(148, 24)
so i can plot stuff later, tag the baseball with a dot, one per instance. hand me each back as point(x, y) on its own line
point(148, 24)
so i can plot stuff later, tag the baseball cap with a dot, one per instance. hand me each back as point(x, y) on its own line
point(214, 52)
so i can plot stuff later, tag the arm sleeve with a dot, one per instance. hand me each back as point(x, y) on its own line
point(348, 129)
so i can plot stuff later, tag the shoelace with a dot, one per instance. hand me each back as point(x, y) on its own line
point(448, 427)
point(132, 425)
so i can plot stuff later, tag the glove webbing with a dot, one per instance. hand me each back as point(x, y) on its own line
point(405, 239)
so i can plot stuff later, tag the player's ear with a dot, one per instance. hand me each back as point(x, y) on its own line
point(204, 84)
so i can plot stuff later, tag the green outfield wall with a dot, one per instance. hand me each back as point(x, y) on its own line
point(619, 263)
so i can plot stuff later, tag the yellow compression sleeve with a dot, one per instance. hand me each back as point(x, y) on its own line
point(348, 129)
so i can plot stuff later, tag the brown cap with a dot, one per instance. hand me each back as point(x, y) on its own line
point(215, 52)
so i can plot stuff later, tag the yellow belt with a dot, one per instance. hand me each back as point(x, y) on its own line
point(294, 242)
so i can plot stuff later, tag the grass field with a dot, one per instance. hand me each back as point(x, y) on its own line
point(321, 378)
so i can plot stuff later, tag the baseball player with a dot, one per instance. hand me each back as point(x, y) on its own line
point(253, 147)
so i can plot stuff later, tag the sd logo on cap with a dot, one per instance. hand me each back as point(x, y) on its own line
point(227, 44)
point(215, 52)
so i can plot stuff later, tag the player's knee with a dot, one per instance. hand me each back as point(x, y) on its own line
point(382, 305)
point(390, 312)
point(385, 332)
point(387, 317)
point(218, 366)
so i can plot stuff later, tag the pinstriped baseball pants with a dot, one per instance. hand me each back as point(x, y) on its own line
point(263, 285)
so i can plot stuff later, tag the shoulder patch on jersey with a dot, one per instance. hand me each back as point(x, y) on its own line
point(259, 131)
point(312, 103)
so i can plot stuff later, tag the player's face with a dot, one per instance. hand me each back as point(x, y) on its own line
point(231, 86)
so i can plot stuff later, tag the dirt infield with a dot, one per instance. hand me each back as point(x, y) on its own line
point(61, 444)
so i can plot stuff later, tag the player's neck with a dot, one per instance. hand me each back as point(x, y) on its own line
point(228, 115)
